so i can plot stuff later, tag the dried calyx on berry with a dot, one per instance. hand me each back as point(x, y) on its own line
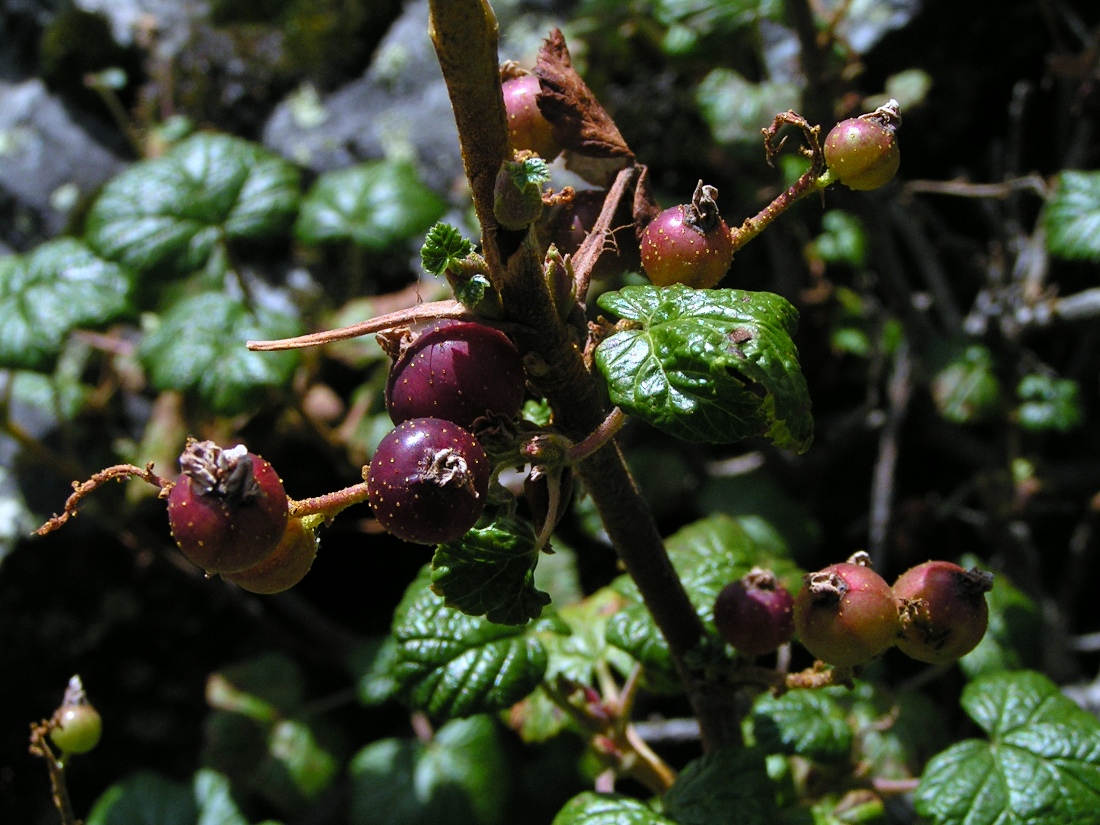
point(756, 613)
point(228, 509)
point(846, 614)
point(688, 244)
point(943, 610)
point(75, 726)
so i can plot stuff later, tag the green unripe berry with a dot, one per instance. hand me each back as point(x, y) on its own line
point(76, 726)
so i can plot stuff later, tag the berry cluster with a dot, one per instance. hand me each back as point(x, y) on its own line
point(847, 614)
point(429, 477)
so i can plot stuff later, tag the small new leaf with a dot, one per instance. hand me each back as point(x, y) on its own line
point(173, 212)
point(47, 293)
point(1072, 216)
point(490, 572)
point(444, 249)
point(709, 365)
point(452, 665)
point(199, 347)
point(1040, 765)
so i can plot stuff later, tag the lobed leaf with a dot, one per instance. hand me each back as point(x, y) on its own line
point(808, 723)
point(591, 808)
point(1040, 766)
point(490, 572)
point(1072, 216)
point(199, 347)
point(710, 365)
point(171, 213)
point(46, 294)
point(458, 779)
point(729, 786)
point(452, 665)
point(375, 205)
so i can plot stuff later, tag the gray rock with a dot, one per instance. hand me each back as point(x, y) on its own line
point(48, 163)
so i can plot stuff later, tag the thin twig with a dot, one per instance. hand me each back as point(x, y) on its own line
point(119, 472)
point(964, 189)
point(882, 489)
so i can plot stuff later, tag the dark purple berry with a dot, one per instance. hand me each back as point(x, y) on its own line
point(862, 152)
point(688, 244)
point(527, 127)
point(457, 371)
point(228, 509)
point(846, 614)
point(943, 611)
point(755, 614)
point(428, 481)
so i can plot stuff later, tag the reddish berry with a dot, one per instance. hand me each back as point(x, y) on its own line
point(457, 371)
point(76, 725)
point(688, 244)
point(943, 610)
point(228, 509)
point(755, 614)
point(846, 614)
point(863, 152)
point(285, 567)
point(428, 481)
point(527, 126)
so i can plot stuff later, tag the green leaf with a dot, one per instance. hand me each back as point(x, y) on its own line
point(372, 664)
point(49, 292)
point(375, 205)
point(711, 365)
point(1014, 638)
point(842, 239)
point(459, 778)
point(707, 555)
point(171, 213)
point(809, 723)
point(737, 109)
point(199, 347)
point(300, 763)
point(1048, 403)
point(444, 249)
point(216, 805)
point(452, 665)
point(146, 798)
point(490, 572)
point(966, 390)
point(591, 808)
point(1040, 766)
point(1072, 216)
point(262, 688)
point(730, 786)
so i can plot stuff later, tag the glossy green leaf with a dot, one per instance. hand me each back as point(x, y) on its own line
point(171, 213)
point(711, 365)
point(459, 778)
point(490, 572)
point(148, 798)
point(1072, 216)
point(1040, 765)
point(730, 786)
point(47, 293)
point(375, 205)
point(452, 665)
point(707, 555)
point(372, 663)
point(1014, 638)
point(1048, 403)
point(591, 808)
point(809, 723)
point(198, 346)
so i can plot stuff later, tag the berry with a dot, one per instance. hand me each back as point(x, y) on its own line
point(846, 614)
point(228, 509)
point(863, 152)
point(527, 127)
point(688, 244)
point(76, 725)
point(457, 371)
point(517, 193)
point(943, 610)
point(755, 614)
point(428, 481)
point(285, 567)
